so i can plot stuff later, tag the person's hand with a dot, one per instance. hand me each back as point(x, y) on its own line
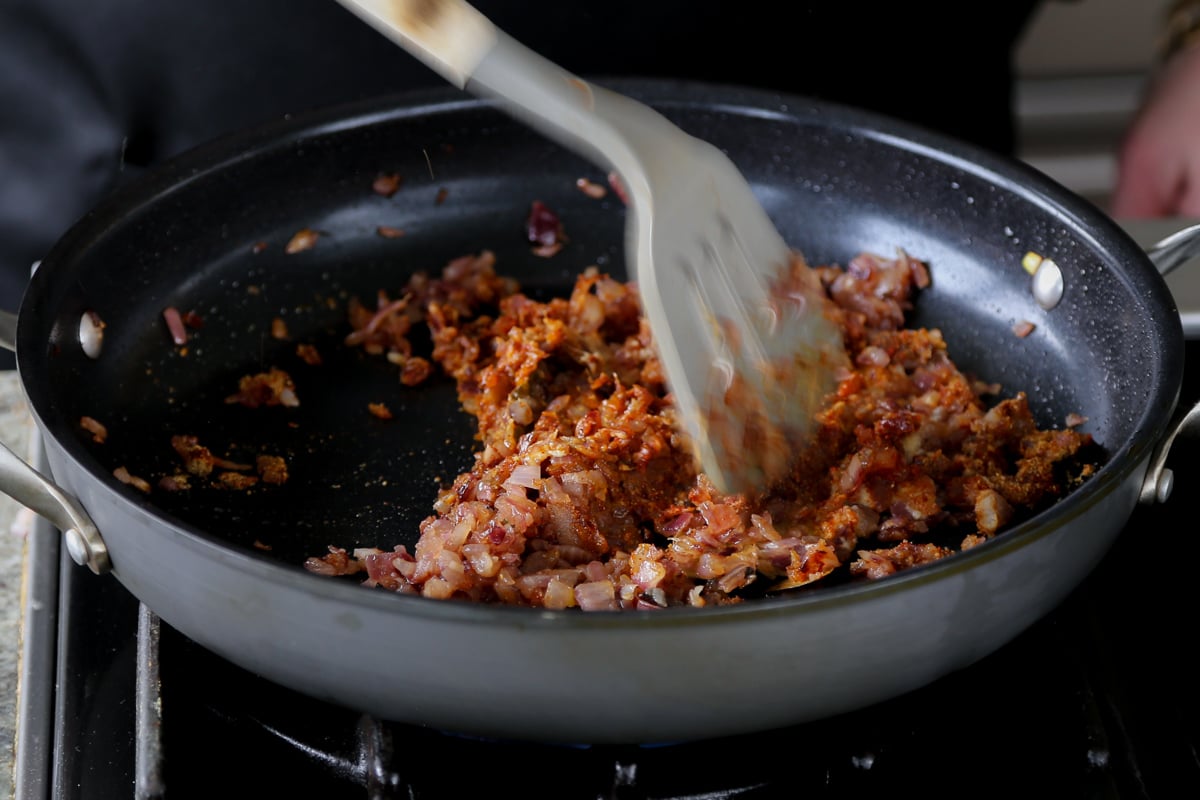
point(1158, 163)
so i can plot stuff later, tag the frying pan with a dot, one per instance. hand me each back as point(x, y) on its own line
point(207, 232)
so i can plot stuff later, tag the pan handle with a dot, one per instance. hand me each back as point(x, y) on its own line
point(30, 488)
point(8, 331)
point(1159, 479)
point(1176, 249)
point(1167, 254)
point(35, 491)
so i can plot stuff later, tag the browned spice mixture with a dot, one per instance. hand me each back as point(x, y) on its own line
point(96, 428)
point(125, 476)
point(303, 239)
point(272, 469)
point(387, 184)
point(583, 493)
point(271, 388)
point(308, 354)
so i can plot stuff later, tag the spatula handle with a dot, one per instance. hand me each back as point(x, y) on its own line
point(463, 46)
point(450, 36)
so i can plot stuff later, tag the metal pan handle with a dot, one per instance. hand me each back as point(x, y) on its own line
point(1176, 249)
point(1160, 479)
point(35, 491)
point(1168, 253)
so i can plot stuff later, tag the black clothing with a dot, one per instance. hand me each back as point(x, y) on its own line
point(91, 92)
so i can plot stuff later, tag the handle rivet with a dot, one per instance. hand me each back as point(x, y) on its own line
point(91, 334)
point(77, 546)
point(1164, 486)
point(1048, 284)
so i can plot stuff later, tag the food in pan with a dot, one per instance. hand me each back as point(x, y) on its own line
point(583, 494)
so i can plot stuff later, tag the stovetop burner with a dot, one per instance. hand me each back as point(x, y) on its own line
point(1096, 700)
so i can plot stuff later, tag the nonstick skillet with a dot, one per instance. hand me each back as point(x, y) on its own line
point(207, 233)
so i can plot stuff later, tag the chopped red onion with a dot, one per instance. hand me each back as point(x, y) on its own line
point(175, 325)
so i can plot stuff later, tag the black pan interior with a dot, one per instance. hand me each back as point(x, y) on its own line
point(836, 181)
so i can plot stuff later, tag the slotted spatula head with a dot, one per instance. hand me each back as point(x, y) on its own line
point(740, 321)
point(740, 324)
